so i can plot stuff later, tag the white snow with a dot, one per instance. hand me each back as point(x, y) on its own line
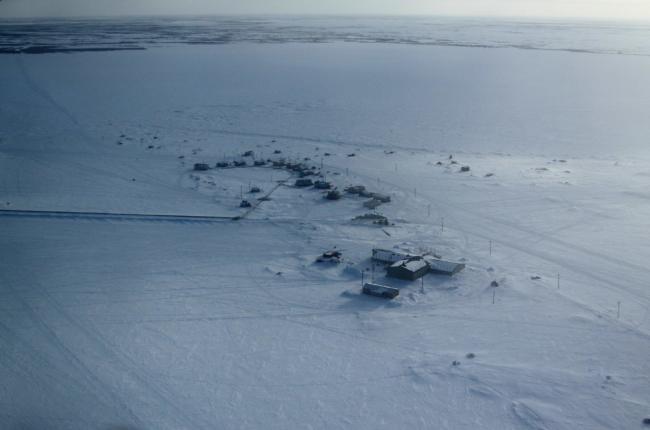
point(412, 265)
point(142, 324)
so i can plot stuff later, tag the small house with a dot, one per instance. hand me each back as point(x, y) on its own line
point(444, 267)
point(388, 256)
point(355, 189)
point(409, 270)
point(201, 166)
point(239, 163)
point(333, 195)
point(380, 291)
point(222, 164)
point(333, 256)
point(384, 198)
point(259, 163)
point(322, 185)
point(304, 182)
point(372, 204)
point(245, 204)
point(372, 217)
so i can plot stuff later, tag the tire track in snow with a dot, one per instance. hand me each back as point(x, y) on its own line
point(73, 358)
point(42, 92)
point(125, 365)
point(109, 216)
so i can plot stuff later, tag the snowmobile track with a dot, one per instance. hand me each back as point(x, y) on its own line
point(110, 216)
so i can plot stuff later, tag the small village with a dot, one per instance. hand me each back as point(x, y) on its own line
point(397, 264)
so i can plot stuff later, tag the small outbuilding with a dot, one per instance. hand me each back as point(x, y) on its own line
point(304, 182)
point(372, 204)
point(374, 218)
point(201, 166)
point(355, 189)
point(332, 256)
point(409, 270)
point(333, 195)
point(322, 185)
point(296, 167)
point(380, 291)
point(384, 198)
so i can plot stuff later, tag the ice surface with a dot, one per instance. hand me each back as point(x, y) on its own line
point(38, 36)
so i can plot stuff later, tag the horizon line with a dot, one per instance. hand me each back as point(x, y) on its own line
point(335, 15)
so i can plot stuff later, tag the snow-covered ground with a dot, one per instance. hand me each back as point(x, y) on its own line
point(173, 324)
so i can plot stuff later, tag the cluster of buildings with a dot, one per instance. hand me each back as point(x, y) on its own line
point(407, 267)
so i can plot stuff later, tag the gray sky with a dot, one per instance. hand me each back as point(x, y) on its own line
point(614, 9)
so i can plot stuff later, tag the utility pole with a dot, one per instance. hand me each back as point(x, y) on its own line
point(490, 247)
point(618, 311)
point(558, 281)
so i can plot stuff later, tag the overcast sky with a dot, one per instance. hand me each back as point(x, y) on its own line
point(614, 9)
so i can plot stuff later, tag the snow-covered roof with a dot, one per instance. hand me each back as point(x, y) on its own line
point(443, 266)
point(412, 265)
point(389, 256)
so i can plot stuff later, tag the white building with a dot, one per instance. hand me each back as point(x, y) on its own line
point(387, 256)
